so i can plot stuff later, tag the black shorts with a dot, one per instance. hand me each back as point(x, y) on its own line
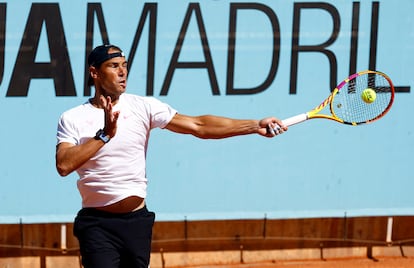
point(110, 240)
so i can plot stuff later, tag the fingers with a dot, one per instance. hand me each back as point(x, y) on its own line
point(270, 130)
point(107, 105)
point(275, 127)
point(104, 101)
point(279, 124)
point(116, 115)
point(111, 118)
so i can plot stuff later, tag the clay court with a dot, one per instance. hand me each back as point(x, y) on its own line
point(354, 263)
point(228, 260)
point(383, 257)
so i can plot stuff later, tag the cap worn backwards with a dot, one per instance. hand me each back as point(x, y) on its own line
point(100, 54)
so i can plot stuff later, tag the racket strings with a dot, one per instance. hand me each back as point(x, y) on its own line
point(349, 105)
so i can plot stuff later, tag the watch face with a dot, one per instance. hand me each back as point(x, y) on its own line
point(104, 137)
point(100, 135)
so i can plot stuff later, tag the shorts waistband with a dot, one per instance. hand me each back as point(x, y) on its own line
point(99, 213)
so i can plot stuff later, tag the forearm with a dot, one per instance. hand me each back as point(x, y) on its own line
point(70, 157)
point(215, 127)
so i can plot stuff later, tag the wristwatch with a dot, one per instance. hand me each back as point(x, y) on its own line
point(100, 135)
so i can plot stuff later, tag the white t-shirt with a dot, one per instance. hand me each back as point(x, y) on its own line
point(118, 168)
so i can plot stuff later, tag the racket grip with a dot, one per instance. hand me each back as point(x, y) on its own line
point(295, 119)
point(289, 122)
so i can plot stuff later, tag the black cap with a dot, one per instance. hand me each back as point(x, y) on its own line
point(100, 54)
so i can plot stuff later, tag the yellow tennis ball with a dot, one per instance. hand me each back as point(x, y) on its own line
point(368, 95)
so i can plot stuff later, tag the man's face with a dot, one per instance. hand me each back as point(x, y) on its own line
point(112, 75)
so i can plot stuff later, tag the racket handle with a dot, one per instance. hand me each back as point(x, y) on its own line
point(295, 119)
point(289, 122)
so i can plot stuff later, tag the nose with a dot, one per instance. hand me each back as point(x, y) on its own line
point(122, 70)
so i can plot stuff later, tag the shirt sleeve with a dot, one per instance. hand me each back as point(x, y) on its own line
point(66, 132)
point(161, 113)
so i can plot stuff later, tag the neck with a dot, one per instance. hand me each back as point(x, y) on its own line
point(95, 101)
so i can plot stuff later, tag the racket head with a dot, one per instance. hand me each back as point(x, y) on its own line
point(347, 105)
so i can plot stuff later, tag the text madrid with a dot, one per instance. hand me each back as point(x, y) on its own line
point(49, 16)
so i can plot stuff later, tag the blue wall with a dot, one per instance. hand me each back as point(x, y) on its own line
point(316, 169)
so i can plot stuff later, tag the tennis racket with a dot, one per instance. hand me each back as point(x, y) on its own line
point(347, 105)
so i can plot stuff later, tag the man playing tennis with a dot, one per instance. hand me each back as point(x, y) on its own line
point(105, 141)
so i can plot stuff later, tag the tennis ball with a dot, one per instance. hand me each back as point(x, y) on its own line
point(368, 95)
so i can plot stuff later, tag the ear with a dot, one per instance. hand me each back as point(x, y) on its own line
point(93, 72)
